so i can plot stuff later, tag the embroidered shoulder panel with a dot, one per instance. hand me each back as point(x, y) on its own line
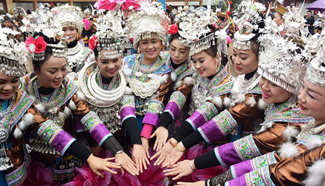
point(23, 103)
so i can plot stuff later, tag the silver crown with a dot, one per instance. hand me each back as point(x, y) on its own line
point(315, 72)
point(195, 29)
point(150, 21)
point(13, 54)
point(59, 50)
point(66, 15)
point(40, 20)
point(282, 61)
point(248, 20)
point(110, 32)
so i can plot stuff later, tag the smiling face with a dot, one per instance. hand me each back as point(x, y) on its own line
point(245, 61)
point(150, 48)
point(52, 72)
point(70, 33)
point(271, 93)
point(108, 67)
point(205, 64)
point(278, 18)
point(311, 100)
point(178, 52)
point(8, 86)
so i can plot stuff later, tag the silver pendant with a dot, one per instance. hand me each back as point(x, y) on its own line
point(3, 134)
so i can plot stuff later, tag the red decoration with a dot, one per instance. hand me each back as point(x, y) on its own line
point(173, 29)
point(40, 45)
point(92, 44)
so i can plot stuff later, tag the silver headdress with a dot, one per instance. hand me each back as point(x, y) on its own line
point(59, 50)
point(195, 27)
point(41, 20)
point(249, 22)
point(12, 54)
point(67, 15)
point(110, 34)
point(37, 48)
point(150, 21)
point(282, 61)
point(315, 72)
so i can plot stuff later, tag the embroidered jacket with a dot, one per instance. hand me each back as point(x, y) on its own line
point(78, 56)
point(182, 76)
point(245, 110)
point(150, 85)
point(113, 112)
point(277, 120)
point(303, 169)
point(14, 157)
point(58, 110)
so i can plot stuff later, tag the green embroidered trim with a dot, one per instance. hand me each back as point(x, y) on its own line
point(18, 111)
point(260, 177)
point(91, 120)
point(225, 122)
point(48, 130)
point(246, 148)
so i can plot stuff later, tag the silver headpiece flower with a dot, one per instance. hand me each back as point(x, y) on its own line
point(282, 61)
point(110, 34)
point(195, 27)
point(13, 54)
point(249, 21)
point(150, 21)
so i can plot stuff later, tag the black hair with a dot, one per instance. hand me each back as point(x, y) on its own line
point(37, 64)
point(96, 52)
point(174, 36)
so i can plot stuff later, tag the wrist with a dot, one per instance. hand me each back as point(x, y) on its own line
point(90, 157)
point(192, 165)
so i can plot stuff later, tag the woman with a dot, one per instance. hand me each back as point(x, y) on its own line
point(283, 119)
point(69, 19)
point(57, 100)
point(148, 73)
point(179, 63)
point(18, 114)
point(242, 96)
point(105, 89)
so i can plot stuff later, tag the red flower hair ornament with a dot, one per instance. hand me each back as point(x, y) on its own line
point(92, 44)
point(173, 29)
point(37, 45)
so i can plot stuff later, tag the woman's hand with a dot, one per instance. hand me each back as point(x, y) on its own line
point(161, 135)
point(174, 155)
point(181, 169)
point(140, 158)
point(96, 164)
point(145, 143)
point(125, 161)
point(162, 154)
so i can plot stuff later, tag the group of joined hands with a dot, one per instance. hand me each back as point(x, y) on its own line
point(168, 152)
